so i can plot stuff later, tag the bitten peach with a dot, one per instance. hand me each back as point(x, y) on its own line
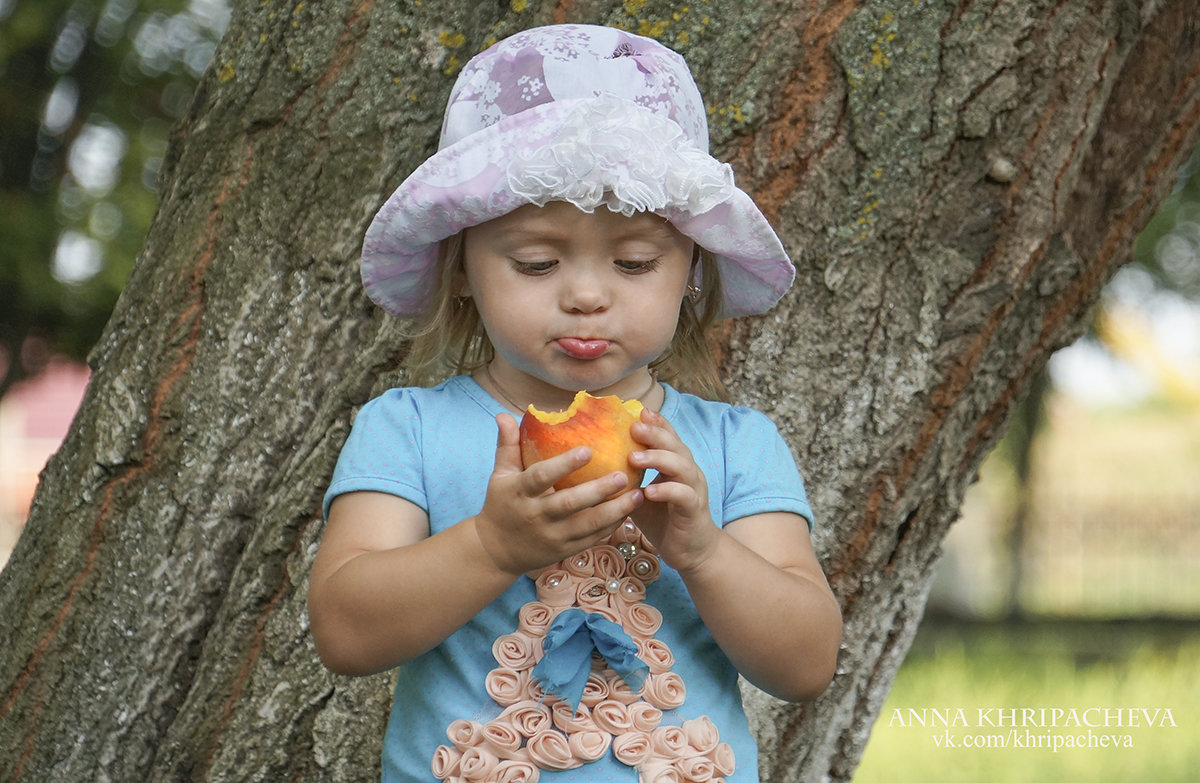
point(600, 423)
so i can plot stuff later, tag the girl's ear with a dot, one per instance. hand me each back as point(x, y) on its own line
point(696, 274)
point(460, 286)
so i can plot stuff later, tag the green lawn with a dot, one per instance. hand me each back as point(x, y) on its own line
point(994, 683)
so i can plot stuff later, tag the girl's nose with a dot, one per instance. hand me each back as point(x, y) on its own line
point(584, 292)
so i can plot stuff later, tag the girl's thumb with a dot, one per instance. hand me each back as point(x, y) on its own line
point(508, 443)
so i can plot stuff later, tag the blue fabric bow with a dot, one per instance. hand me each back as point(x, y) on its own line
point(570, 639)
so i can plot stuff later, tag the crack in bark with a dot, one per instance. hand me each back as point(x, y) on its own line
point(812, 76)
point(562, 11)
point(1087, 108)
point(252, 655)
point(888, 487)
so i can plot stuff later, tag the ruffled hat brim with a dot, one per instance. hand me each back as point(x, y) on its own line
point(602, 151)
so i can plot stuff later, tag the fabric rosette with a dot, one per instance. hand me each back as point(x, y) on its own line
point(641, 620)
point(669, 742)
point(464, 733)
point(645, 717)
point(550, 749)
point(507, 687)
point(517, 650)
point(702, 734)
point(657, 770)
point(503, 739)
point(646, 546)
point(612, 716)
point(445, 761)
point(556, 587)
point(609, 562)
point(722, 759)
point(631, 590)
point(589, 746)
point(664, 691)
point(534, 618)
point(695, 769)
point(591, 592)
point(517, 772)
point(595, 690)
point(582, 638)
point(581, 564)
point(632, 748)
point(643, 567)
point(527, 717)
point(619, 690)
point(534, 691)
point(657, 655)
point(477, 764)
point(629, 161)
point(627, 533)
point(572, 720)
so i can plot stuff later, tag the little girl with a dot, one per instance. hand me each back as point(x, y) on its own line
point(572, 232)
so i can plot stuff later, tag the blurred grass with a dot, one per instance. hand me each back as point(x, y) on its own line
point(1048, 664)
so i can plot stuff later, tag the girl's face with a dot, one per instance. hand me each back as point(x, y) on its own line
point(572, 300)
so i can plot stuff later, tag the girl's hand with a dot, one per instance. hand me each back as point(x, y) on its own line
point(525, 524)
point(675, 516)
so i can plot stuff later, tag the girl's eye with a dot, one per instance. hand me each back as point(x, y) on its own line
point(534, 267)
point(637, 267)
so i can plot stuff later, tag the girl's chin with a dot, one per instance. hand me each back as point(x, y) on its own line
point(598, 383)
point(610, 374)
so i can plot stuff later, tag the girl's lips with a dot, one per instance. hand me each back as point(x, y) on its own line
point(580, 348)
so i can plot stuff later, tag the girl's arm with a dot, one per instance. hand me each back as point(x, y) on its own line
point(756, 583)
point(766, 602)
point(384, 591)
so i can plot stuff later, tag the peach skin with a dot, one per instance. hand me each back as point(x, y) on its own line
point(600, 423)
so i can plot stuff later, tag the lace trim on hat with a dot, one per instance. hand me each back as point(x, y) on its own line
point(615, 153)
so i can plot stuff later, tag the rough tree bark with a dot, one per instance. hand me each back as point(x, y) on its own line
point(956, 180)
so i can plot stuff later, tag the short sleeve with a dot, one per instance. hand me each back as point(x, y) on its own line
point(383, 452)
point(760, 473)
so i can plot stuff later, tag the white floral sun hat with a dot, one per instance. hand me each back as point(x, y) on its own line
point(583, 114)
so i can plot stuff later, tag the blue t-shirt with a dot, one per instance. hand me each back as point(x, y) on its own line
point(436, 448)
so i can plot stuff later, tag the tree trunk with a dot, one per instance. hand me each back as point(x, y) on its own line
point(956, 181)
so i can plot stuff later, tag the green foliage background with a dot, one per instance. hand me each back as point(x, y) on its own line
point(89, 90)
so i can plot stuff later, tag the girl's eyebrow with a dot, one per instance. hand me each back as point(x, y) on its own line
point(553, 234)
point(647, 230)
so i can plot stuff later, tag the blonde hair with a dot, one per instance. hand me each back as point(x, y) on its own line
point(450, 338)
